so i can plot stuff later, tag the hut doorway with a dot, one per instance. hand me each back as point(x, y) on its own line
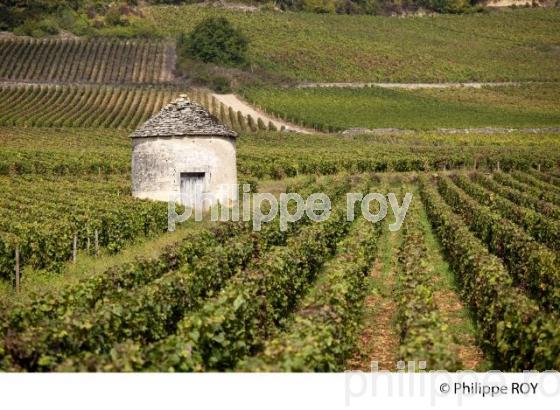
point(192, 187)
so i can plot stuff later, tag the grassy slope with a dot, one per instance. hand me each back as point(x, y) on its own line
point(536, 105)
point(497, 46)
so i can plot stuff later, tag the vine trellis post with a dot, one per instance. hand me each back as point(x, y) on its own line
point(17, 268)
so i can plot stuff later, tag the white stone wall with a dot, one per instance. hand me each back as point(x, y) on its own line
point(157, 164)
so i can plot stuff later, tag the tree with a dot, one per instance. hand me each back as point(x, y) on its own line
point(215, 40)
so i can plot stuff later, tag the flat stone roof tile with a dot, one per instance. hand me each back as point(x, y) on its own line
point(183, 117)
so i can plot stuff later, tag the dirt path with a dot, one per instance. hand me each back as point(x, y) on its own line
point(450, 131)
point(237, 104)
point(412, 86)
point(509, 3)
point(378, 340)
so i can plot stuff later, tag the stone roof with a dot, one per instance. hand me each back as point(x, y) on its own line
point(183, 118)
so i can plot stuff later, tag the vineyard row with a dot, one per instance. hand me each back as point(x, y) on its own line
point(513, 330)
point(182, 277)
point(43, 217)
point(100, 61)
point(81, 106)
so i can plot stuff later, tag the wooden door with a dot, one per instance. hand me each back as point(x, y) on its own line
point(192, 186)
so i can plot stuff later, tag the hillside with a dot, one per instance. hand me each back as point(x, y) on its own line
point(514, 106)
point(81, 105)
point(498, 46)
point(106, 61)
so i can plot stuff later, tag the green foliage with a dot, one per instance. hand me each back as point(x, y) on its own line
point(512, 46)
point(114, 16)
point(271, 300)
point(215, 40)
point(63, 151)
point(106, 61)
point(513, 330)
point(39, 18)
point(540, 227)
point(41, 28)
point(422, 328)
point(220, 84)
point(176, 2)
point(541, 194)
point(532, 265)
point(372, 6)
point(318, 6)
point(109, 284)
point(323, 332)
point(50, 212)
point(340, 109)
point(150, 312)
point(275, 155)
point(548, 178)
point(228, 328)
point(445, 6)
point(80, 106)
point(144, 314)
point(521, 198)
point(536, 183)
point(30, 13)
point(260, 124)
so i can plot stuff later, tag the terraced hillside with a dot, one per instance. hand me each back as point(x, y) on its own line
point(100, 61)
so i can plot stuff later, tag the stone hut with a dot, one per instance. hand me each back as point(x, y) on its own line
point(184, 154)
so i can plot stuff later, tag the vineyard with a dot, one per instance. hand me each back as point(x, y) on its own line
point(47, 219)
point(273, 155)
point(521, 106)
point(81, 106)
point(325, 110)
point(100, 61)
point(517, 45)
point(66, 151)
point(91, 279)
point(227, 298)
point(266, 154)
point(91, 106)
point(67, 190)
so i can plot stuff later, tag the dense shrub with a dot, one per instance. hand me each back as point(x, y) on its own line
point(114, 17)
point(30, 15)
point(39, 18)
point(215, 40)
point(41, 28)
point(175, 1)
point(319, 6)
point(445, 6)
point(385, 7)
point(209, 75)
